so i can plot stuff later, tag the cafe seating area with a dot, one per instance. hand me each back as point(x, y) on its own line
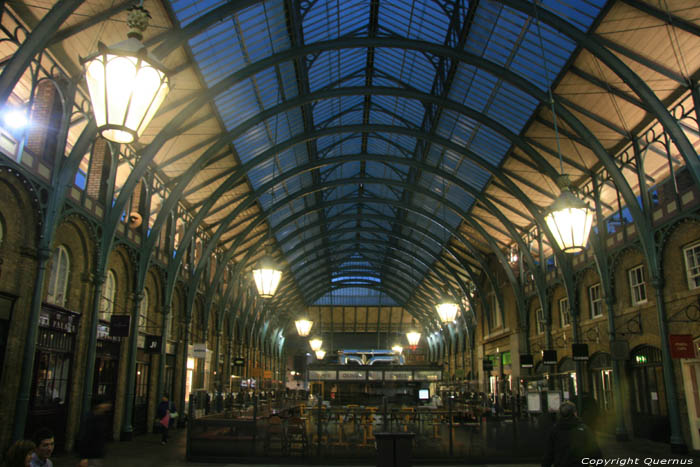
point(298, 431)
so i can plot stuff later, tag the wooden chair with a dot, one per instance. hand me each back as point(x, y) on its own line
point(297, 441)
point(275, 436)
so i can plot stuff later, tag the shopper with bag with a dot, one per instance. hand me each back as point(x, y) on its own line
point(163, 418)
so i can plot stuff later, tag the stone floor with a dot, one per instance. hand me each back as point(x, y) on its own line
point(146, 451)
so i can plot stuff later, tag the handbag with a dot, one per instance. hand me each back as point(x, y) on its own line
point(165, 421)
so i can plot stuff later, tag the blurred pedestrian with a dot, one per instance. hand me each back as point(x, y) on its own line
point(92, 440)
point(163, 416)
point(20, 453)
point(570, 440)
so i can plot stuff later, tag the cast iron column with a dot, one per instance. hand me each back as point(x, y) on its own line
point(127, 428)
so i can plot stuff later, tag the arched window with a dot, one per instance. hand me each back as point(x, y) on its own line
point(143, 312)
point(58, 281)
point(107, 301)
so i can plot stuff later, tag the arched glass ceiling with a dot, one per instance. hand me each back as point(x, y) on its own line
point(366, 123)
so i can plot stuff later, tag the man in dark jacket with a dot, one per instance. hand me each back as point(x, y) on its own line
point(570, 440)
point(91, 444)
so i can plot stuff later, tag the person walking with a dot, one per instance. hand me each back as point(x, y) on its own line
point(20, 453)
point(91, 444)
point(45, 443)
point(570, 440)
point(163, 416)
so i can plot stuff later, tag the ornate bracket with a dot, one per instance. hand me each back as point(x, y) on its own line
point(633, 325)
point(687, 314)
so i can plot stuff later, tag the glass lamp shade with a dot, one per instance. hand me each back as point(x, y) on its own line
point(303, 326)
point(397, 348)
point(320, 353)
point(447, 309)
point(127, 86)
point(570, 221)
point(315, 344)
point(267, 277)
point(413, 337)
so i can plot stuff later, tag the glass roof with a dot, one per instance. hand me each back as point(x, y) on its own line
point(371, 199)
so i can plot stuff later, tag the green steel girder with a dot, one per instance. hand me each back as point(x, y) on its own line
point(172, 127)
point(318, 276)
point(593, 45)
point(408, 224)
point(202, 97)
point(665, 16)
point(93, 20)
point(34, 44)
point(172, 39)
point(262, 189)
point(306, 167)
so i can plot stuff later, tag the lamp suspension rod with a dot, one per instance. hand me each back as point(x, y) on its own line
point(549, 89)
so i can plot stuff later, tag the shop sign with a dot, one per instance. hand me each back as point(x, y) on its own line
point(579, 352)
point(619, 350)
point(526, 361)
point(62, 320)
point(153, 344)
point(549, 357)
point(681, 346)
point(119, 325)
point(239, 361)
point(199, 351)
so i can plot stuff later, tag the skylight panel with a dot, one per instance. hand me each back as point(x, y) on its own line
point(330, 19)
point(187, 11)
point(416, 20)
point(332, 65)
point(410, 66)
point(410, 109)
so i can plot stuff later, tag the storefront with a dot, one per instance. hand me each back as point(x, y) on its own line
point(143, 373)
point(169, 377)
point(52, 372)
point(600, 366)
point(106, 372)
point(565, 378)
point(648, 398)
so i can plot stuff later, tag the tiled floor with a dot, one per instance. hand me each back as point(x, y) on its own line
point(146, 451)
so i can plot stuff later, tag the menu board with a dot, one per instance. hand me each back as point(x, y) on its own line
point(322, 375)
point(427, 375)
point(553, 401)
point(353, 375)
point(534, 403)
point(398, 376)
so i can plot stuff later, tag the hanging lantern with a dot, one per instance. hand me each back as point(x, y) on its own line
point(569, 219)
point(413, 337)
point(315, 343)
point(397, 348)
point(267, 276)
point(447, 309)
point(320, 353)
point(513, 257)
point(303, 326)
point(127, 85)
